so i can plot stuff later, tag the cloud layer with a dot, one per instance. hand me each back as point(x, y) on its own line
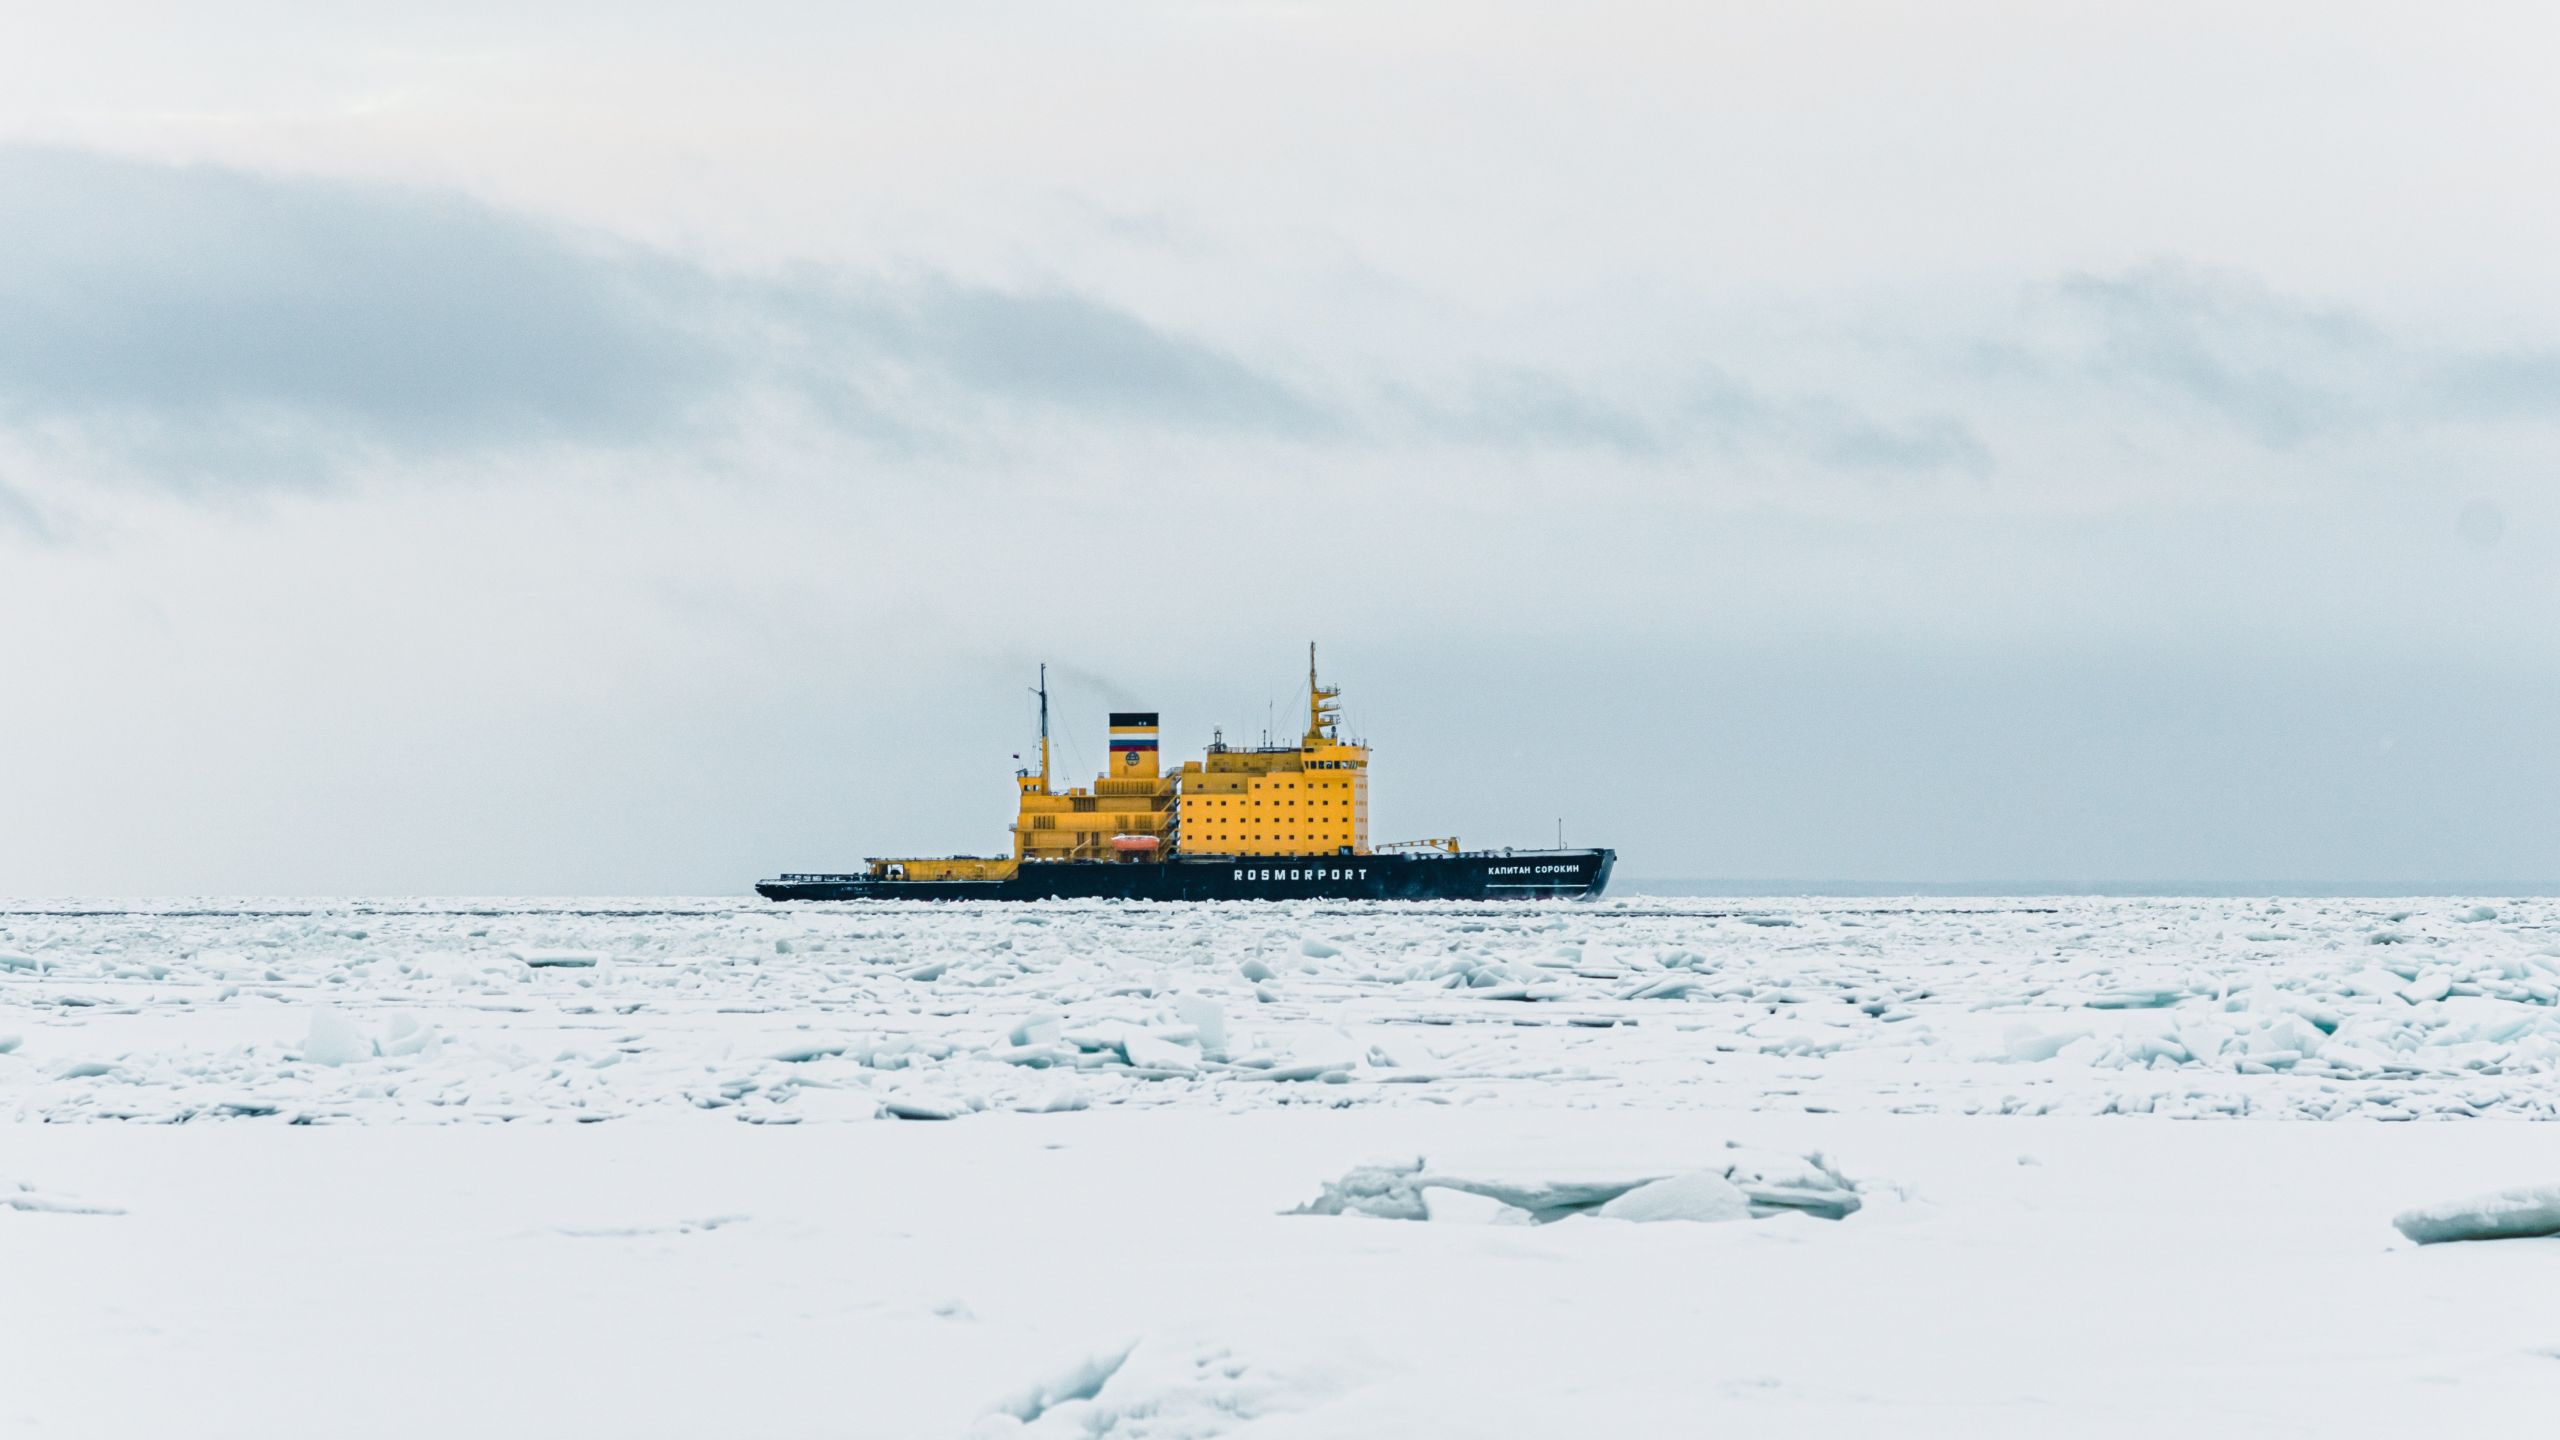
point(216, 327)
point(219, 326)
point(195, 295)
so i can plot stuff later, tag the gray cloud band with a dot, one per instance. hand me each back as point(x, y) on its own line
point(217, 329)
point(216, 315)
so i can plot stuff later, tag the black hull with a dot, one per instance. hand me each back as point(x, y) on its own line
point(1476, 875)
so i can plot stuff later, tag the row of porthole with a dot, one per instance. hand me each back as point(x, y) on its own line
point(1312, 800)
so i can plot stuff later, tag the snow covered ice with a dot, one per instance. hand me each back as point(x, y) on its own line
point(242, 1125)
point(468, 1013)
point(1735, 1187)
point(2524, 1211)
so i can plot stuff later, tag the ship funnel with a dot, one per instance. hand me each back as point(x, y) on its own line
point(1133, 744)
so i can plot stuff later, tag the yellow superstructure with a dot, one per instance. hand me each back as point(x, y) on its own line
point(1128, 814)
point(1310, 798)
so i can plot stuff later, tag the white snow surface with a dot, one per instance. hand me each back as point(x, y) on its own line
point(314, 1166)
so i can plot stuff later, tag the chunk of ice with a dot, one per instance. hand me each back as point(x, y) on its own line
point(1443, 1205)
point(1759, 1182)
point(1390, 1192)
point(1080, 1381)
point(2514, 1214)
point(1701, 1195)
point(2286, 1034)
point(26, 1197)
point(2145, 997)
point(2371, 980)
point(1774, 1180)
point(1203, 1015)
point(2028, 1044)
point(1149, 1051)
point(803, 1054)
point(2428, 988)
point(914, 1107)
point(334, 1039)
point(407, 1037)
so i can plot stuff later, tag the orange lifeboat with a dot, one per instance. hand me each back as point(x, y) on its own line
point(1135, 844)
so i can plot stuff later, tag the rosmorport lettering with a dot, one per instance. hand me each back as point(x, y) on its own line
point(1355, 873)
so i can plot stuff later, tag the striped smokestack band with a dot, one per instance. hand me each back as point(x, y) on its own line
point(1133, 730)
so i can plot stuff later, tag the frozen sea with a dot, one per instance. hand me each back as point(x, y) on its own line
point(2110, 1166)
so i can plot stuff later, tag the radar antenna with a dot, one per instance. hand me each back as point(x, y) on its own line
point(1324, 707)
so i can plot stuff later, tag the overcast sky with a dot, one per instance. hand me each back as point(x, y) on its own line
point(640, 448)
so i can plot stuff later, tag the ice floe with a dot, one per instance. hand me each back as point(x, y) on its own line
point(488, 1011)
point(1748, 1183)
point(2526, 1210)
point(1701, 1195)
point(1149, 1390)
point(25, 1197)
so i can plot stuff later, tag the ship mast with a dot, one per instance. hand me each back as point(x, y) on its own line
point(1321, 707)
point(1043, 693)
